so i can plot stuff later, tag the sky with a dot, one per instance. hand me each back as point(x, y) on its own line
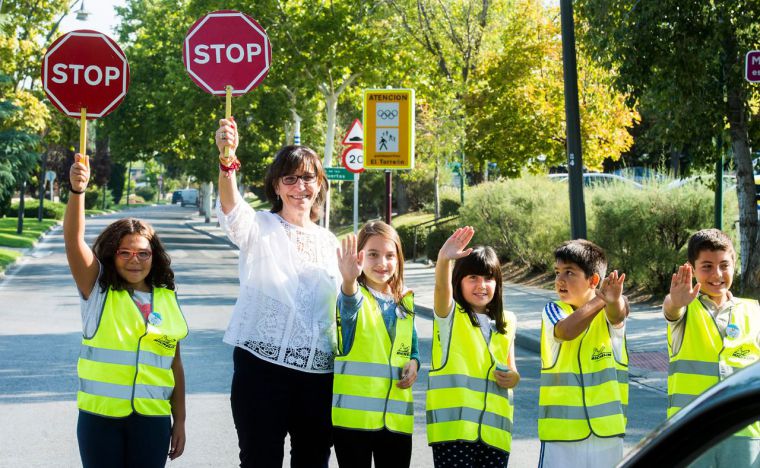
point(102, 17)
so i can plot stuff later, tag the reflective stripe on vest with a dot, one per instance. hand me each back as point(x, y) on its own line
point(704, 351)
point(585, 390)
point(464, 403)
point(127, 366)
point(365, 395)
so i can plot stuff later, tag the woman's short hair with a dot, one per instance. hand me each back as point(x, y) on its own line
point(107, 243)
point(289, 160)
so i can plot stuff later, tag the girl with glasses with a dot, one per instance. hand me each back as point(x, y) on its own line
point(283, 323)
point(131, 394)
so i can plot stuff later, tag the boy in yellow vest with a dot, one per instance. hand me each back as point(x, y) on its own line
point(711, 334)
point(584, 365)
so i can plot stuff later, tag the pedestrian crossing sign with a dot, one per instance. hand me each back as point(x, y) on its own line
point(388, 128)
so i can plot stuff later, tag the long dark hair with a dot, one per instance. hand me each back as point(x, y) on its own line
point(105, 246)
point(483, 261)
point(379, 228)
point(286, 162)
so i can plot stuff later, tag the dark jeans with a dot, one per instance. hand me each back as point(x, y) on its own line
point(356, 449)
point(270, 401)
point(135, 441)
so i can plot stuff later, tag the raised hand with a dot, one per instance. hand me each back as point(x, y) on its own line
point(612, 287)
point(350, 263)
point(79, 173)
point(227, 135)
point(681, 290)
point(454, 247)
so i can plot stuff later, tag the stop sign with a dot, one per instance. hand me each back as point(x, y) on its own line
point(85, 69)
point(227, 47)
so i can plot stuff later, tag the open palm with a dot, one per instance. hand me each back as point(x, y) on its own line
point(455, 246)
point(350, 263)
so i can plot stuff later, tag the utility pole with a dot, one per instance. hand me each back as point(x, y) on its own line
point(573, 123)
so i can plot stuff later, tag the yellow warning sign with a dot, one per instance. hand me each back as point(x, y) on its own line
point(388, 128)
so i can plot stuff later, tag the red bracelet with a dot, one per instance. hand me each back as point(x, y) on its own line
point(234, 166)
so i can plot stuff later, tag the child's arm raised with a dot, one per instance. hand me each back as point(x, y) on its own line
point(84, 267)
point(681, 293)
point(611, 292)
point(350, 264)
point(570, 327)
point(452, 249)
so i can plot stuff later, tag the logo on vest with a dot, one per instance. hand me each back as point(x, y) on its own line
point(155, 319)
point(600, 353)
point(166, 342)
point(742, 353)
point(404, 350)
point(733, 331)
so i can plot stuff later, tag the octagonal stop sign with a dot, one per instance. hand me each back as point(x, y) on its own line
point(85, 69)
point(224, 48)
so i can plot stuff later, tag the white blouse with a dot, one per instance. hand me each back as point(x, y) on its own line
point(289, 278)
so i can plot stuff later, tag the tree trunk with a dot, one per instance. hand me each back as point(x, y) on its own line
point(436, 190)
point(402, 201)
point(745, 188)
point(331, 101)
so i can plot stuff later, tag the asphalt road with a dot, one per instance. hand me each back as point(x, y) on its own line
point(41, 332)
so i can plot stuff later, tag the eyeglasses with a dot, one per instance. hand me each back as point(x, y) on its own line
point(126, 254)
point(292, 179)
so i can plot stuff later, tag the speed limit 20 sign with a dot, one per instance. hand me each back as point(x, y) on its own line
point(353, 159)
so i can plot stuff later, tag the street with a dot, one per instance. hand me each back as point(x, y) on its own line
point(41, 333)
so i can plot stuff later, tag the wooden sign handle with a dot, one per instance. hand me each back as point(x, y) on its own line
point(228, 114)
point(83, 134)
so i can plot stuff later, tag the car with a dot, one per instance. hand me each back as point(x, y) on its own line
point(598, 179)
point(711, 419)
point(176, 196)
point(729, 182)
point(189, 197)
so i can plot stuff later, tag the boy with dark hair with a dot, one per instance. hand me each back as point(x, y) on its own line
point(711, 334)
point(584, 364)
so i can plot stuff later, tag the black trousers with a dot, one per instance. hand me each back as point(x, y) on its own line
point(270, 401)
point(132, 442)
point(356, 449)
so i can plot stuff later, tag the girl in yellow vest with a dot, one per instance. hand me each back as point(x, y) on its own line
point(378, 361)
point(469, 398)
point(131, 394)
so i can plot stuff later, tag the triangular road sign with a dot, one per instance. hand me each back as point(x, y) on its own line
point(355, 135)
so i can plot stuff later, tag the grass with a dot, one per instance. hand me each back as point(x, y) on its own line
point(258, 204)
point(7, 257)
point(32, 230)
point(412, 218)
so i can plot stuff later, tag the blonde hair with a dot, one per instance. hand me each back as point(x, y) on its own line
point(379, 228)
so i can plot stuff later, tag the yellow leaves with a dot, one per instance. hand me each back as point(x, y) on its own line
point(33, 115)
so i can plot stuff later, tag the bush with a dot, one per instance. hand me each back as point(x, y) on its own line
point(406, 233)
point(93, 198)
point(146, 192)
point(436, 237)
point(449, 207)
point(50, 209)
point(645, 232)
point(522, 219)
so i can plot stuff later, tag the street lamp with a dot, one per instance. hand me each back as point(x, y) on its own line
point(82, 14)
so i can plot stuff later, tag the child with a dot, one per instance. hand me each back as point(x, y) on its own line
point(373, 409)
point(584, 362)
point(131, 380)
point(469, 402)
point(711, 334)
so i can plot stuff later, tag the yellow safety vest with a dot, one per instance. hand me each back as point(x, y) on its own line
point(464, 403)
point(696, 366)
point(365, 395)
point(126, 366)
point(585, 390)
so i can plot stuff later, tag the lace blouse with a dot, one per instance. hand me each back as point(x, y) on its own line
point(289, 278)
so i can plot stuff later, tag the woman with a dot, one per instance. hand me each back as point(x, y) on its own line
point(283, 323)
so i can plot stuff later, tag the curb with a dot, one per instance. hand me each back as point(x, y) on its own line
point(27, 250)
point(220, 239)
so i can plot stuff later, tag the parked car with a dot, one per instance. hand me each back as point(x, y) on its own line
point(189, 197)
point(176, 196)
point(597, 179)
point(706, 422)
point(729, 182)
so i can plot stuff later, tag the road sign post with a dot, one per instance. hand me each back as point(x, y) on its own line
point(227, 53)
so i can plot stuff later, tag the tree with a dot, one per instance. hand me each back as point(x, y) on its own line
point(685, 60)
point(517, 103)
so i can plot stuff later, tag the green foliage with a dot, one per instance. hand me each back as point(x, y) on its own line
point(645, 232)
point(147, 193)
point(32, 231)
point(450, 206)
point(522, 219)
point(7, 257)
point(93, 198)
point(50, 209)
point(406, 233)
point(436, 238)
point(117, 182)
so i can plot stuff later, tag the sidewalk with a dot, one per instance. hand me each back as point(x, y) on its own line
point(646, 329)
